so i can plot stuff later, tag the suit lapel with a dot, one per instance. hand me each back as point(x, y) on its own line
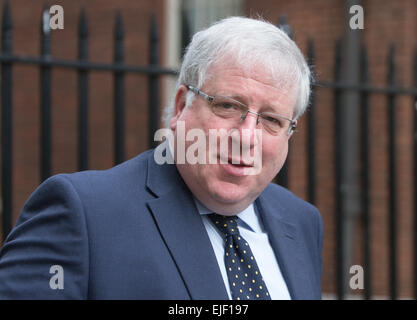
point(287, 248)
point(184, 233)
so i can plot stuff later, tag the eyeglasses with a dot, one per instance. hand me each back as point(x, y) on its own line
point(228, 108)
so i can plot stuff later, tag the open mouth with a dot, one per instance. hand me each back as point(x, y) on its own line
point(239, 163)
point(237, 167)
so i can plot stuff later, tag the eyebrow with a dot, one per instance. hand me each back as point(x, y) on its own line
point(270, 109)
point(241, 99)
point(236, 97)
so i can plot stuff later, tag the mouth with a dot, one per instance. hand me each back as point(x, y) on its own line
point(236, 170)
point(235, 162)
point(239, 163)
point(236, 167)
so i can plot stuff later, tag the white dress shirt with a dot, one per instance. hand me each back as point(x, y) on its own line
point(251, 229)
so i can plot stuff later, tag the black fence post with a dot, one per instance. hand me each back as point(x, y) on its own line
point(83, 93)
point(119, 123)
point(6, 122)
point(311, 129)
point(415, 172)
point(392, 224)
point(365, 171)
point(153, 81)
point(185, 30)
point(339, 162)
point(45, 98)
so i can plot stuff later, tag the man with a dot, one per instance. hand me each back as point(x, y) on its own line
point(202, 229)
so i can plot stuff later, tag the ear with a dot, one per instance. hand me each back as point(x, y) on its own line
point(179, 105)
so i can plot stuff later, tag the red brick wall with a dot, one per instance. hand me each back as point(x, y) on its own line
point(26, 41)
point(386, 22)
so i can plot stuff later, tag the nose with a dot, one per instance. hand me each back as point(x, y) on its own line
point(248, 126)
point(254, 114)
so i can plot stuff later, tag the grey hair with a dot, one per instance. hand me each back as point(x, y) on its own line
point(252, 43)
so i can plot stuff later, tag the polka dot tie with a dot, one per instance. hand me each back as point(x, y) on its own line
point(245, 279)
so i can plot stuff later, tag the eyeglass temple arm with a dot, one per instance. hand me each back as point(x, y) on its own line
point(196, 91)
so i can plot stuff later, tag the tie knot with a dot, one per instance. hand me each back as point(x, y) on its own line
point(226, 224)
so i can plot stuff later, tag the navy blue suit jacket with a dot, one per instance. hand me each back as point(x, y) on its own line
point(133, 232)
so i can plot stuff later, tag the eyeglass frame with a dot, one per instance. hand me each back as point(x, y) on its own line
point(293, 124)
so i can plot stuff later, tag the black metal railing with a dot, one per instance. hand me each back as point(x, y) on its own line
point(365, 89)
point(83, 67)
point(365, 172)
point(154, 71)
point(6, 122)
point(415, 174)
point(339, 163)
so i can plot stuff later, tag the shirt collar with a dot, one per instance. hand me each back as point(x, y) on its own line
point(248, 218)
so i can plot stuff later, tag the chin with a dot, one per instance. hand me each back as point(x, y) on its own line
point(226, 198)
point(229, 193)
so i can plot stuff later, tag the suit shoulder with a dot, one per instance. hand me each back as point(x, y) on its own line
point(102, 188)
point(119, 176)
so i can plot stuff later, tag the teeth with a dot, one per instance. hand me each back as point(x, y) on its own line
point(237, 164)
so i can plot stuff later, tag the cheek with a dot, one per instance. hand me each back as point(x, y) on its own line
point(198, 117)
point(274, 155)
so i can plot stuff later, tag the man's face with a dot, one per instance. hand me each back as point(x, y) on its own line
point(225, 188)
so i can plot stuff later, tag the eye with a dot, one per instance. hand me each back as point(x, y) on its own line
point(227, 105)
point(273, 121)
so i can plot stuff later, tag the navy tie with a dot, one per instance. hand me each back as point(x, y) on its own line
point(245, 279)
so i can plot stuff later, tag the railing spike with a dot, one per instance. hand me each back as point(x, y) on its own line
point(83, 25)
point(7, 23)
point(119, 32)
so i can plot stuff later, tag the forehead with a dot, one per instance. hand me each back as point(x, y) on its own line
point(255, 83)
